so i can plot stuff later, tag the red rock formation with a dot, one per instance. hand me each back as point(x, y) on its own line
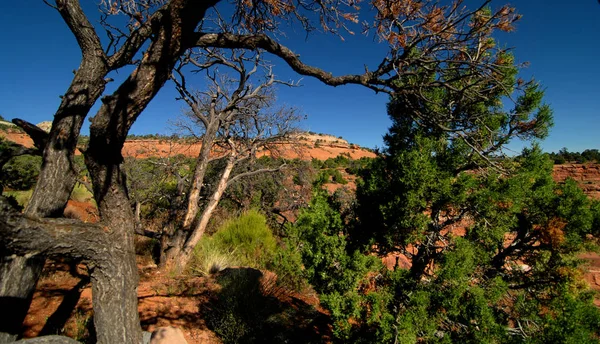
point(587, 176)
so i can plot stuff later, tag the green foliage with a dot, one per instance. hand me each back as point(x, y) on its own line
point(287, 264)
point(356, 165)
point(466, 292)
point(83, 140)
point(20, 197)
point(338, 161)
point(248, 241)
point(336, 177)
point(259, 191)
point(330, 176)
point(515, 270)
point(21, 172)
point(245, 240)
point(563, 156)
point(591, 155)
point(209, 257)
point(570, 318)
point(157, 136)
point(249, 237)
point(335, 270)
point(81, 194)
point(6, 126)
point(154, 182)
point(316, 163)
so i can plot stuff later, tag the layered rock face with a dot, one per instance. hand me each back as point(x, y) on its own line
point(587, 177)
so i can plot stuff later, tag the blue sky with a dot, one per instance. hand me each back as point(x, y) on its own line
point(560, 41)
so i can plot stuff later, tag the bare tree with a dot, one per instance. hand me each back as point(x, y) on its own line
point(237, 118)
point(448, 41)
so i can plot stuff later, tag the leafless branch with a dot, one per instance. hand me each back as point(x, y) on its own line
point(255, 172)
point(39, 136)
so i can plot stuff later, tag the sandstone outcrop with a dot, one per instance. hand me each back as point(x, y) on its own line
point(587, 176)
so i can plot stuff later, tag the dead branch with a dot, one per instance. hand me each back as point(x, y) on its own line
point(39, 136)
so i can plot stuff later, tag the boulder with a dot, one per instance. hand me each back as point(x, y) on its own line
point(167, 335)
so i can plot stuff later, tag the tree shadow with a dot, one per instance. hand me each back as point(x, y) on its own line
point(174, 303)
point(59, 305)
point(57, 321)
point(248, 310)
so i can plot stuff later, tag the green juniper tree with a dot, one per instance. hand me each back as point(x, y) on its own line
point(512, 274)
point(492, 241)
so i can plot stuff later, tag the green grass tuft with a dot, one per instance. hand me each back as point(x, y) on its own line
point(249, 237)
point(209, 258)
point(242, 241)
point(22, 197)
point(81, 194)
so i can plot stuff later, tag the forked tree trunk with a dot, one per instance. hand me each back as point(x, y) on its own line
point(198, 232)
point(114, 282)
point(178, 245)
point(174, 238)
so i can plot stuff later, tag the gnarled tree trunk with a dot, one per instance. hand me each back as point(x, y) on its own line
point(174, 238)
point(19, 275)
point(115, 277)
point(115, 280)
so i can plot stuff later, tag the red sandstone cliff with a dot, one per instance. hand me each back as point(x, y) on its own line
point(586, 175)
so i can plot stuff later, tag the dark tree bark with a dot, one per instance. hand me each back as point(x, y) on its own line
point(15, 273)
point(114, 288)
point(116, 316)
point(106, 247)
point(57, 176)
point(115, 278)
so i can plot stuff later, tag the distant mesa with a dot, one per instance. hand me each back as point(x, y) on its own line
point(45, 126)
point(311, 136)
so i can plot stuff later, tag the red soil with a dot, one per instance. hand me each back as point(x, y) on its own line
point(84, 211)
point(163, 301)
